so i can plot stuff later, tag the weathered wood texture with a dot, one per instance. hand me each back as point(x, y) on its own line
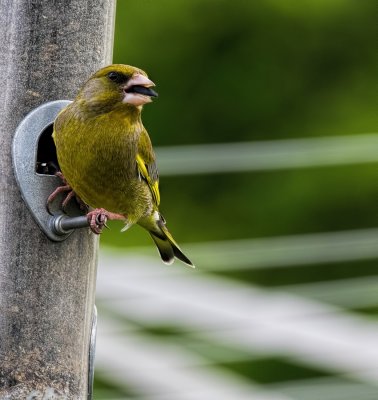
point(48, 48)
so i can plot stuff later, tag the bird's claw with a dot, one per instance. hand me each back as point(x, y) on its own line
point(98, 217)
point(55, 193)
point(97, 220)
point(69, 194)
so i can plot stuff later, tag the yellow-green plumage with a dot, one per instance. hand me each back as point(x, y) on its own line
point(106, 155)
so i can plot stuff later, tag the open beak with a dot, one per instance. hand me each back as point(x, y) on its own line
point(138, 90)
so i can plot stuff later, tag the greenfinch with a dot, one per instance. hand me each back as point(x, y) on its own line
point(106, 156)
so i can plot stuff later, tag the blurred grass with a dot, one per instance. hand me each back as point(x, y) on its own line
point(273, 370)
point(103, 389)
point(276, 277)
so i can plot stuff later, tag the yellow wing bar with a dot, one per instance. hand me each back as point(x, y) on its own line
point(153, 185)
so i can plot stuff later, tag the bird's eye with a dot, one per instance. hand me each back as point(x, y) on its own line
point(117, 77)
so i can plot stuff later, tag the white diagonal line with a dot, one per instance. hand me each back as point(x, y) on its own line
point(268, 155)
point(329, 388)
point(161, 371)
point(284, 251)
point(235, 313)
point(354, 292)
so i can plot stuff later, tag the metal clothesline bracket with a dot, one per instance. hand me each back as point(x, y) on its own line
point(35, 164)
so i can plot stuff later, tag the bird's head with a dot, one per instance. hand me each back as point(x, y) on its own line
point(117, 85)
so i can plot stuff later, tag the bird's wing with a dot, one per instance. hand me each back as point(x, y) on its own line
point(146, 164)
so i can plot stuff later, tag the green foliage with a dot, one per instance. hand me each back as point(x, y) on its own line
point(250, 71)
point(267, 370)
point(102, 389)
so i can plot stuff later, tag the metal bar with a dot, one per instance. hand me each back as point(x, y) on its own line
point(62, 224)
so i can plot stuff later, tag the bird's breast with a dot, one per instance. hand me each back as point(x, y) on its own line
point(98, 159)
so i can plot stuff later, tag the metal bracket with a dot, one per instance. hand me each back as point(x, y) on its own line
point(91, 355)
point(35, 162)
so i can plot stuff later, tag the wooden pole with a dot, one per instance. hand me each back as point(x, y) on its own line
point(48, 50)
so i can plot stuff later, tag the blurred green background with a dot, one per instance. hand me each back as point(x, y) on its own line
point(258, 70)
point(235, 71)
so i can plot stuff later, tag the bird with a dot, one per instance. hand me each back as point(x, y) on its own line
point(106, 158)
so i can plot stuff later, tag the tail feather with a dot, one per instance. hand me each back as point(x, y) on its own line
point(165, 249)
point(181, 256)
point(167, 246)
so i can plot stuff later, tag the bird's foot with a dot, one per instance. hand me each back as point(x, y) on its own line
point(98, 217)
point(65, 188)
